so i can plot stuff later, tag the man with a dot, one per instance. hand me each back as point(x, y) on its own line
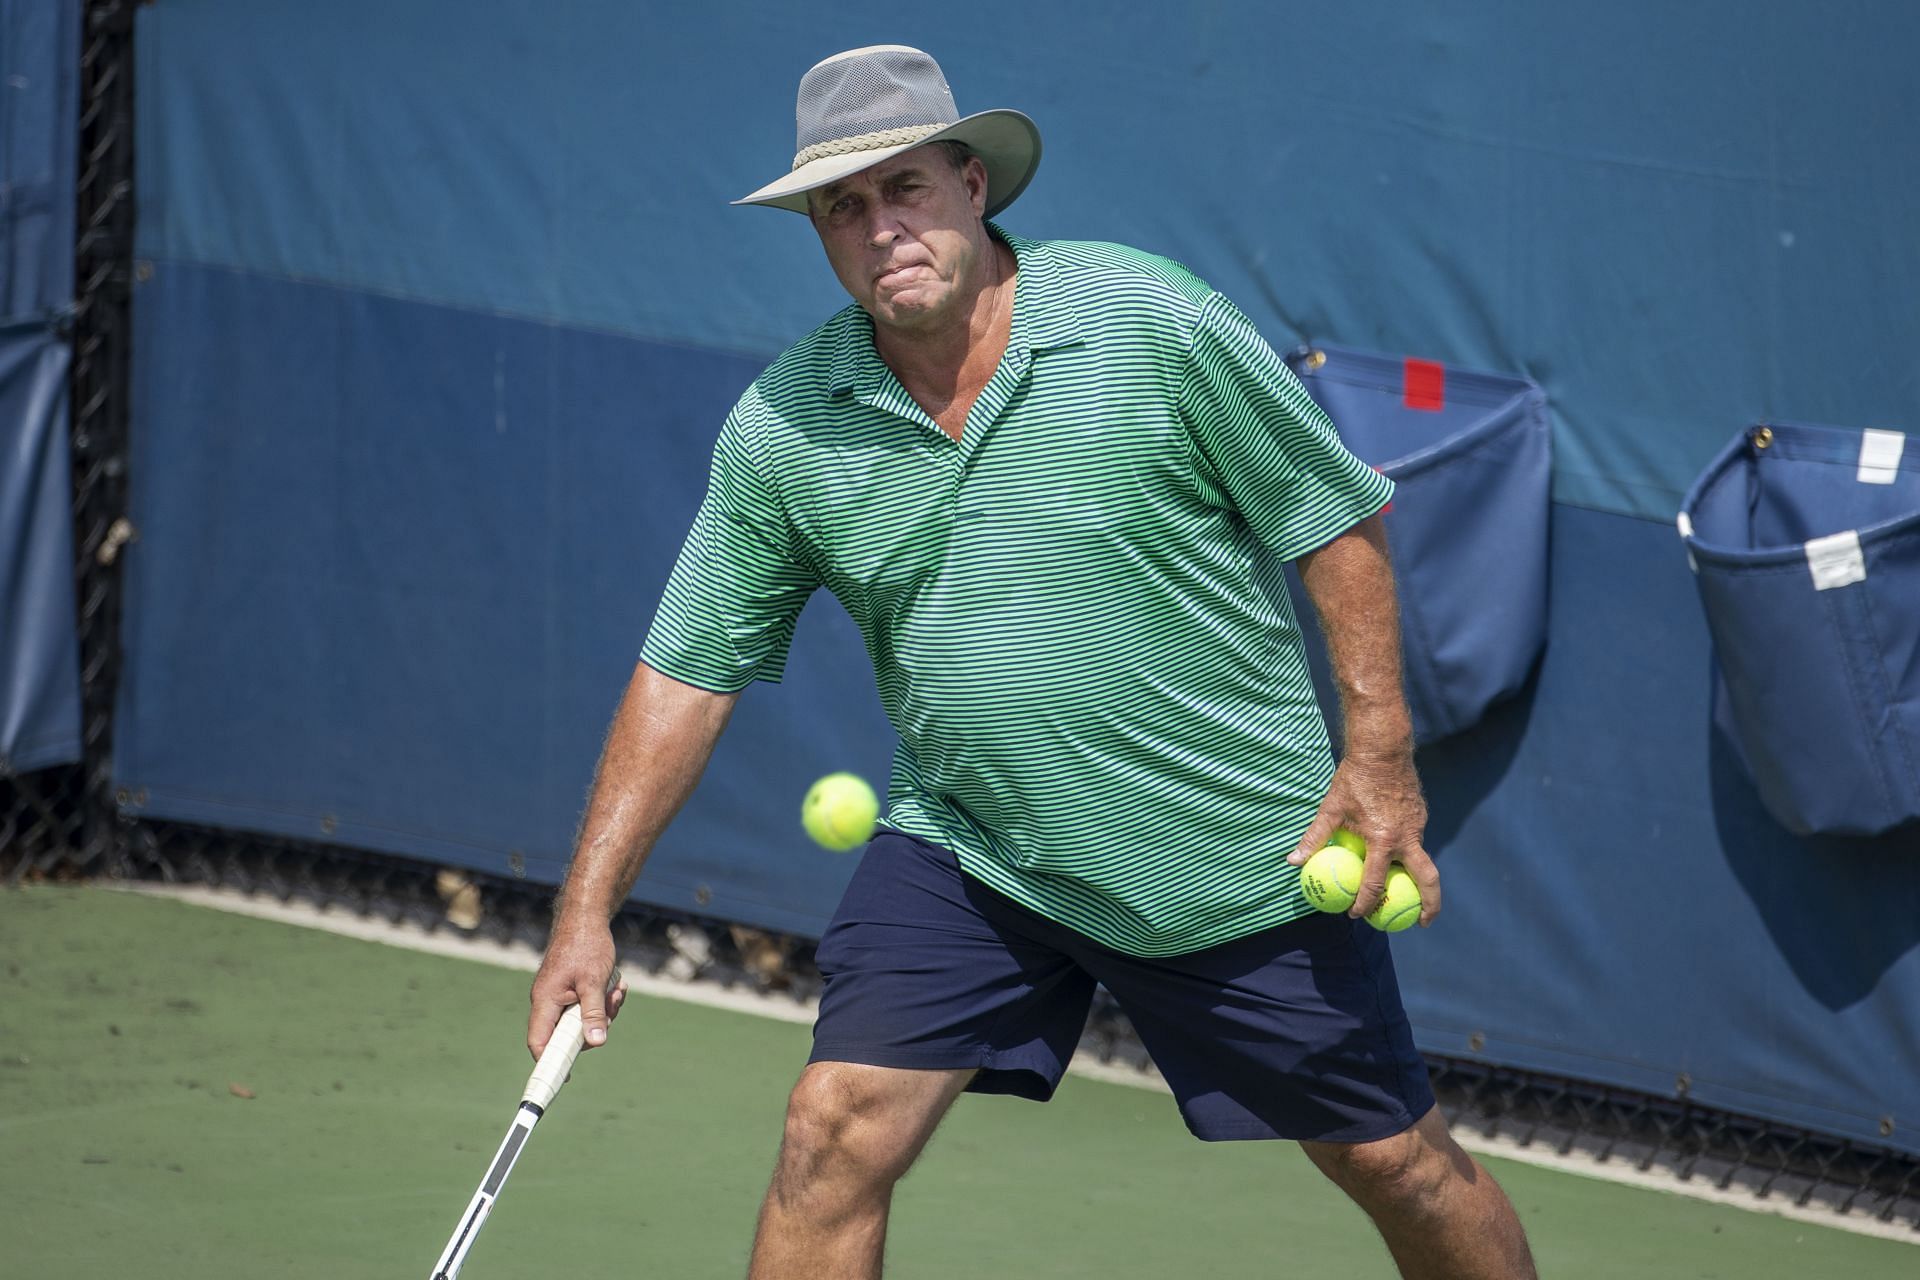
point(1049, 481)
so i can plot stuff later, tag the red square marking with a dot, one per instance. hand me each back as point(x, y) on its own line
point(1424, 384)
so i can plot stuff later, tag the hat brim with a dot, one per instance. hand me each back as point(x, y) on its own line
point(1007, 142)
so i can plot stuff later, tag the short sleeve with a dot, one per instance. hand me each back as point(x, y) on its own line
point(727, 615)
point(1264, 448)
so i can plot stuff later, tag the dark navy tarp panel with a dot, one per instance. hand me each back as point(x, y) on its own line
point(1469, 455)
point(39, 651)
point(1619, 905)
point(1806, 547)
point(39, 106)
point(1670, 216)
point(39, 657)
point(394, 567)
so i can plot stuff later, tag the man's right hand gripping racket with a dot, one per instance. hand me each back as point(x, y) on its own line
point(556, 1060)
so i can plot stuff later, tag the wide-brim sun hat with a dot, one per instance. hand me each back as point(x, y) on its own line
point(864, 106)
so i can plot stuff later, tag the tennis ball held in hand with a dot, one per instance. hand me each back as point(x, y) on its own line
point(1330, 879)
point(839, 812)
point(1399, 906)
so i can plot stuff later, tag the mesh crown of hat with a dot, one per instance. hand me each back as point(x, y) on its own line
point(879, 96)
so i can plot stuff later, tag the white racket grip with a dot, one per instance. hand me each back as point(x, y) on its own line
point(556, 1060)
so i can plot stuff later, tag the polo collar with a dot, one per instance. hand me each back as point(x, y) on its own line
point(1042, 310)
point(1043, 318)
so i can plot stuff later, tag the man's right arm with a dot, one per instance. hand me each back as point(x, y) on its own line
point(658, 746)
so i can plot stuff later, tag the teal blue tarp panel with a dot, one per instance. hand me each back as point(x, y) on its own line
point(1805, 541)
point(39, 106)
point(39, 650)
point(1669, 216)
point(1469, 454)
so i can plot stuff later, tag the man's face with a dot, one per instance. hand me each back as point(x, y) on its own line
point(905, 235)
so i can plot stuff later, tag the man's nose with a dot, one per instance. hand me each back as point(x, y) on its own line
point(882, 229)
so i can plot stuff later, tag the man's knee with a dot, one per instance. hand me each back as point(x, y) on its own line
point(1408, 1169)
point(840, 1126)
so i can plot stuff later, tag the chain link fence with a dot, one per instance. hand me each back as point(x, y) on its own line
point(68, 823)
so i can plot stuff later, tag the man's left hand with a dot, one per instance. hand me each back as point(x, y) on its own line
point(1379, 798)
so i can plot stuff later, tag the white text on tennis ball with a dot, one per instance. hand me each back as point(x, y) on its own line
point(839, 812)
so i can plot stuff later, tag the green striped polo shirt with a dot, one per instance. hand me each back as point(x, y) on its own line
point(1075, 612)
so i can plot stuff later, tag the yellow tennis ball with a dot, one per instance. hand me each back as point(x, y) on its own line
point(1399, 906)
point(839, 811)
point(1347, 838)
point(1331, 878)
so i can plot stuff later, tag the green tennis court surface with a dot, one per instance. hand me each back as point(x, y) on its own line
point(382, 1079)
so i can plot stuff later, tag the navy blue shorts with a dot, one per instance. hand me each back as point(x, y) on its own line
point(1293, 1032)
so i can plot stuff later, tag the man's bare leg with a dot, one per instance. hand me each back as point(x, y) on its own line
point(852, 1132)
point(1442, 1214)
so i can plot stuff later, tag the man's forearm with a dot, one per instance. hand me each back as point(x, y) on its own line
point(656, 750)
point(1350, 582)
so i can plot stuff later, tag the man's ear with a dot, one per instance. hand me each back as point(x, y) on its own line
point(976, 179)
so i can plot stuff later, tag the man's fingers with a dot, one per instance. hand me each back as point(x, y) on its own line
point(541, 1020)
point(1373, 880)
point(596, 1008)
point(593, 1012)
point(1427, 876)
point(1318, 832)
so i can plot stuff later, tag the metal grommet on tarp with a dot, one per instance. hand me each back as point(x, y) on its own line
point(1805, 542)
point(1470, 456)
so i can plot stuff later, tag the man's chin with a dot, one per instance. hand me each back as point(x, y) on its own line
point(908, 312)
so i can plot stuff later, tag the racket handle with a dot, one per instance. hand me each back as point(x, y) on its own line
point(556, 1060)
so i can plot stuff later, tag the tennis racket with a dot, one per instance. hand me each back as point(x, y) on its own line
point(556, 1060)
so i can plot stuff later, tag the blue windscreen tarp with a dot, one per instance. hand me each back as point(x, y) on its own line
point(39, 654)
point(441, 327)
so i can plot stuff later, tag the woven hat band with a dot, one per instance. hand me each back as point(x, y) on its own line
point(866, 142)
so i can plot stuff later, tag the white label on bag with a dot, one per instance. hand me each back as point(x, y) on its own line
point(1880, 456)
point(1836, 561)
point(1685, 523)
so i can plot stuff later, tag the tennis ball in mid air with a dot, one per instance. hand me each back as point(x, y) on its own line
point(1331, 878)
point(1399, 906)
point(1347, 838)
point(839, 811)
